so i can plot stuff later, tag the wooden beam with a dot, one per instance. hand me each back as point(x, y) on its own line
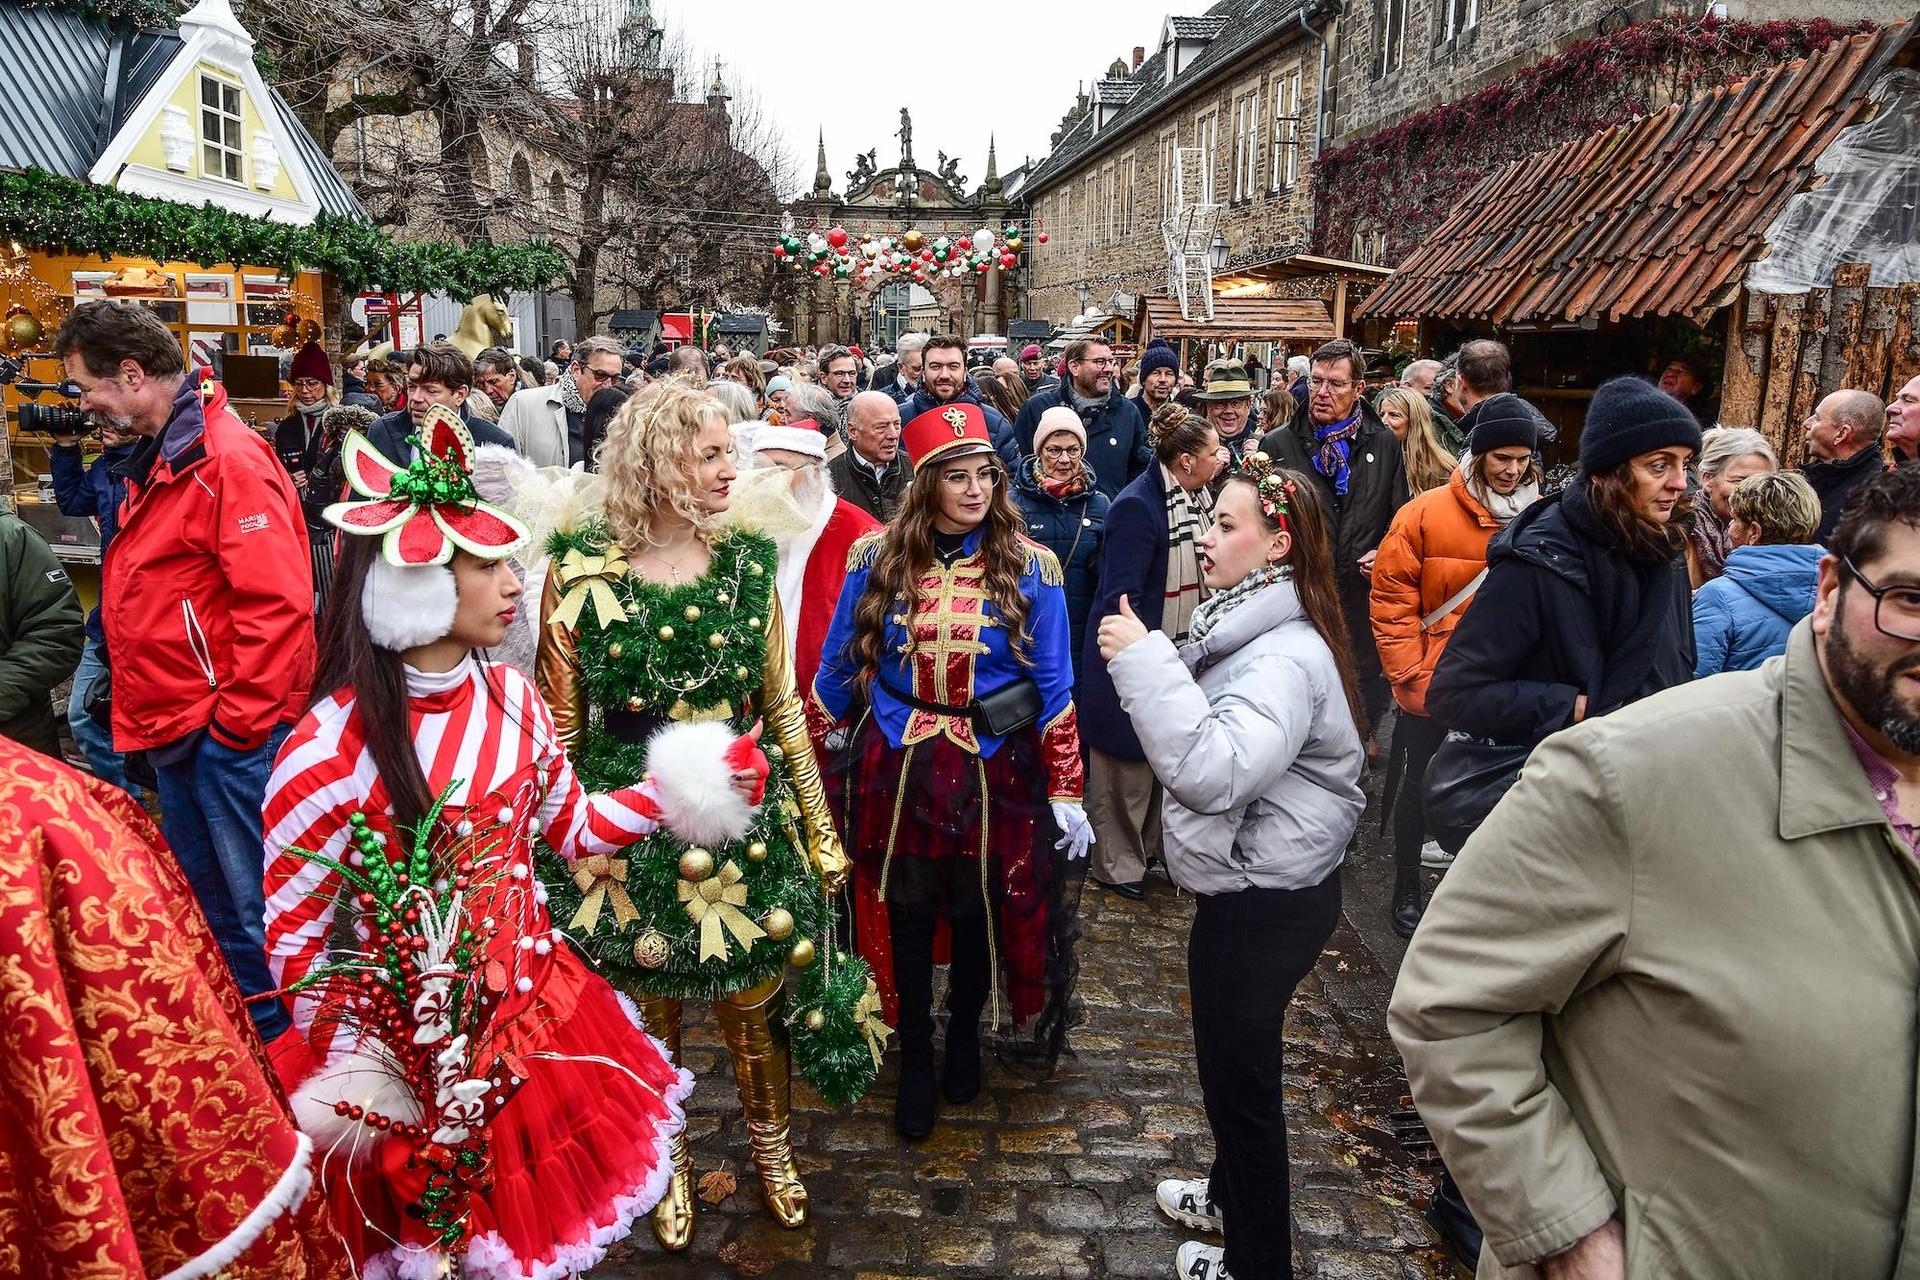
point(1340, 307)
point(1867, 362)
point(1810, 359)
point(1744, 379)
point(1776, 403)
point(1903, 348)
point(1845, 319)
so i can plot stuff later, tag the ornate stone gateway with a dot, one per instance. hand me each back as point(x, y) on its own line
point(934, 203)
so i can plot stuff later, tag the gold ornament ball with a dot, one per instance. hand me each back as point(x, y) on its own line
point(740, 673)
point(691, 613)
point(23, 328)
point(773, 751)
point(614, 650)
point(635, 703)
point(778, 924)
point(753, 624)
point(650, 950)
point(723, 598)
point(816, 1021)
point(802, 954)
point(715, 640)
point(666, 633)
point(696, 865)
point(753, 567)
point(757, 851)
point(913, 241)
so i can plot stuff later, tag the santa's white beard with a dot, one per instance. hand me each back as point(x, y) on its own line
point(783, 504)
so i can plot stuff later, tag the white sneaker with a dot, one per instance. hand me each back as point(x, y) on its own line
point(1432, 855)
point(1187, 1202)
point(1196, 1261)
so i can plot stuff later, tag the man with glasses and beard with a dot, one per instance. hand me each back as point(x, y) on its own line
point(1684, 943)
point(1116, 427)
point(548, 424)
point(785, 492)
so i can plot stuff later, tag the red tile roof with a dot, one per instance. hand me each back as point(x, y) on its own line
point(1657, 216)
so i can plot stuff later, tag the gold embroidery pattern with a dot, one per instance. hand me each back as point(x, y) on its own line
point(944, 637)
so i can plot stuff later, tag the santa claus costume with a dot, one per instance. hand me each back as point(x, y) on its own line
point(469, 1054)
point(813, 529)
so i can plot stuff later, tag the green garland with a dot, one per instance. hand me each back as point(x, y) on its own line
point(664, 654)
point(47, 211)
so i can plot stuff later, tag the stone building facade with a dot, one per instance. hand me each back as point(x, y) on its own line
point(1240, 84)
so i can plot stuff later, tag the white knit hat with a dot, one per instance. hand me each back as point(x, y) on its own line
point(796, 438)
point(1054, 421)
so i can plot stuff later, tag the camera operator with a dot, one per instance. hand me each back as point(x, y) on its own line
point(93, 492)
point(208, 612)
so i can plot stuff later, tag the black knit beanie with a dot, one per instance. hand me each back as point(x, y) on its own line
point(1502, 421)
point(1629, 417)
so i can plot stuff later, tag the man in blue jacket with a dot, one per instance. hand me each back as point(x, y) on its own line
point(1117, 447)
point(944, 380)
point(94, 492)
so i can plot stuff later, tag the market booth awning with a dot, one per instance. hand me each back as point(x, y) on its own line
point(1237, 320)
point(1660, 216)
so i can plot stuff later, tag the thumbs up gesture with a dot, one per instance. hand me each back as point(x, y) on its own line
point(1118, 630)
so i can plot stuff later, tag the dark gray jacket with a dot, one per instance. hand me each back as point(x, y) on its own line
point(42, 631)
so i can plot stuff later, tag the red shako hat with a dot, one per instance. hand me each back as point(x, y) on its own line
point(951, 430)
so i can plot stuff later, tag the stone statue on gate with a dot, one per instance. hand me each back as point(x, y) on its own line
point(864, 167)
point(949, 171)
point(906, 139)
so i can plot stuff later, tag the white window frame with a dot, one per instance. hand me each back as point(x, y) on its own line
point(1286, 131)
point(1246, 145)
point(1208, 136)
point(215, 152)
point(1457, 16)
point(1392, 33)
point(1129, 174)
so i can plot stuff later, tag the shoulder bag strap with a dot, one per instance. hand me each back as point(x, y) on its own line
point(1454, 601)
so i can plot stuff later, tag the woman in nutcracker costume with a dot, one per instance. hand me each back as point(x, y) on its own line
point(654, 614)
point(946, 690)
point(467, 1054)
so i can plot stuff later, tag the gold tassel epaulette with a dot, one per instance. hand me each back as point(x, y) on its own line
point(1046, 564)
point(864, 551)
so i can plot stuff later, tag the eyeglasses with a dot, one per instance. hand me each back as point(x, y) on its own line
point(599, 376)
point(987, 478)
point(1099, 364)
point(1328, 384)
point(1062, 451)
point(1896, 610)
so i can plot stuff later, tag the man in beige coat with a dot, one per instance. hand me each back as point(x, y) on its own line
point(1661, 1016)
point(548, 423)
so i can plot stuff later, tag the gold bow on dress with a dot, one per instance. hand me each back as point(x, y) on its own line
point(583, 578)
point(602, 879)
point(714, 904)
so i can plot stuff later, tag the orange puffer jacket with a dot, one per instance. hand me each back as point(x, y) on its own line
point(1435, 546)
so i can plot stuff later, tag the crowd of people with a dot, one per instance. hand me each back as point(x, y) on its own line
point(494, 708)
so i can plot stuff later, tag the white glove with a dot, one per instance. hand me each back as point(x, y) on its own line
point(1076, 833)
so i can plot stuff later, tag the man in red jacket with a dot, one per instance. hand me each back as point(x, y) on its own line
point(207, 602)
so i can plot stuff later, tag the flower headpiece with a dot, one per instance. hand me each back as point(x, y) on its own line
point(1271, 489)
point(430, 506)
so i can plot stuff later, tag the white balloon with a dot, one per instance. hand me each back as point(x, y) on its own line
point(983, 239)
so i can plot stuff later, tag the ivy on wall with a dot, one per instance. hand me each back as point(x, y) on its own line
point(46, 211)
point(1402, 181)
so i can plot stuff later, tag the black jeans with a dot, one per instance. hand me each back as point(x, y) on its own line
point(912, 931)
point(1247, 952)
point(1415, 739)
point(1376, 695)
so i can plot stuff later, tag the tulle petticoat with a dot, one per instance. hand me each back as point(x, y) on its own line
point(580, 1152)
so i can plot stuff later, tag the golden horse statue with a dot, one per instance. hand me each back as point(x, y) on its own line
point(484, 323)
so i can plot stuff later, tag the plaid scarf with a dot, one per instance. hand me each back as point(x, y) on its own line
point(1186, 513)
point(1220, 604)
point(1335, 443)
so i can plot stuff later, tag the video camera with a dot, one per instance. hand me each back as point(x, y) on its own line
point(53, 420)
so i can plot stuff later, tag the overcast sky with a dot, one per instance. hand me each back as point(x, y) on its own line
point(849, 67)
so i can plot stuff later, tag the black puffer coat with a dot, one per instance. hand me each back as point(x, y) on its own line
point(1072, 528)
point(1562, 613)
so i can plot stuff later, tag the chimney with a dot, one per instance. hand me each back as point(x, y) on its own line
point(1139, 56)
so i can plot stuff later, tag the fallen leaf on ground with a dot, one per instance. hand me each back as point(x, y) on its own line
point(717, 1185)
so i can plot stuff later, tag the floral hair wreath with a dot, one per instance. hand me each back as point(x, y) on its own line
point(1270, 489)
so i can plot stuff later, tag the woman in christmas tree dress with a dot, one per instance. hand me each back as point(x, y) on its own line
point(946, 616)
point(411, 732)
point(653, 615)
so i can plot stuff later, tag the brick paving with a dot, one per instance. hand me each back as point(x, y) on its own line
point(1055, 1176)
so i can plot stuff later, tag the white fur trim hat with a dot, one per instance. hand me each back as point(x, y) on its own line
point(796, 439)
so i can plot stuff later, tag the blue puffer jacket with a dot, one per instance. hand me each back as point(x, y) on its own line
point(1117, 447)
point(1071, 528)
point(1742, 617)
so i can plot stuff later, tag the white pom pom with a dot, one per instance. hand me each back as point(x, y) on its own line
point(689, 769)
point(542, 947)
point(463, 828)
point(363, 1080)
point(519, 871)
point(523, 985)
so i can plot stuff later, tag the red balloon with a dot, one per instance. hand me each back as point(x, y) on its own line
point(1043, 237)
point(1007, 260)
point(926, 255)
point(779, 251)
point(837, 237)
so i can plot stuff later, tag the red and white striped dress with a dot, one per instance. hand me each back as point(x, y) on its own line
point(566, 1182)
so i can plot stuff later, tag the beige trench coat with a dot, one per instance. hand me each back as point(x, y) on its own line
point(1675, 977)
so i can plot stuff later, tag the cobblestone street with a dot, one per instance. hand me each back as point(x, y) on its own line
point(1055, 1177)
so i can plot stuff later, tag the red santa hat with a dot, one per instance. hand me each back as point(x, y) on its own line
point(801, 437)
point(312, 362)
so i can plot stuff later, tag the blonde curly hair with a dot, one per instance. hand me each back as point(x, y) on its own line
point(648, 460)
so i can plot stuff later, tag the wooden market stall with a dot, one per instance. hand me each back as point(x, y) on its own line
point(1268, 327)
point(1721, 223)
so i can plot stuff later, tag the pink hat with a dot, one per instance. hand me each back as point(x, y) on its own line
point(1054, 421)
point(798, 438)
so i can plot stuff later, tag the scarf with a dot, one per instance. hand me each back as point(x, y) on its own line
point(1186, 512)
point(309, 408)
point(1221, 603)
point(570, 394)
point(1335, 443)
point(1503, 507)
point(1638, 609)
point(1086, 406)
point(1060, 490)
point(1709, 538)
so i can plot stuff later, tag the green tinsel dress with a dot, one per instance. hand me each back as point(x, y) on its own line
point(620, 657)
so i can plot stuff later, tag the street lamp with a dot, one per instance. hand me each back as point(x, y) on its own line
point(1218, 250)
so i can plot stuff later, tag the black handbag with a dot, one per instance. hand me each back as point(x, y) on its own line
point(1464, 781)
point(1009, 709)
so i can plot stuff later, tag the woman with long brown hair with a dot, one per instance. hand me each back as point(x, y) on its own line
point(1429, 465)
point(946, 689)
point(1252, 729)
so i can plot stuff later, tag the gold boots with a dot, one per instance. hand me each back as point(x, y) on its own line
point(673, 1216)
point(763, 1070)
